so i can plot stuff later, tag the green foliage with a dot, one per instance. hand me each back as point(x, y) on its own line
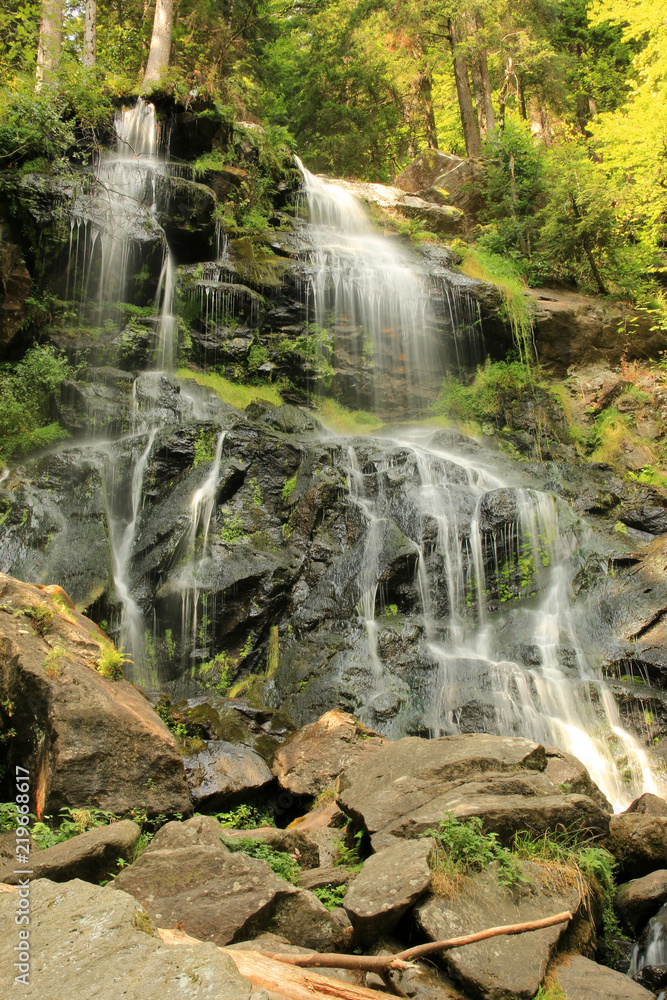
point(41, 616)
point(204, 448)
point(26, 391)
point(462, 848)
point(245, 817)
point(31, 125)
point(498, 391)
point(70, 823)
point(573, 860)
point(348, 852)
point(331, 896)
point(288, 488)
point(236, 395)
point(273, 651)
point(506, 273)
point(54, 661)
point(219, 672)
point(110, 663)
point(232, 529)
point(280, 862)
point(513, 187)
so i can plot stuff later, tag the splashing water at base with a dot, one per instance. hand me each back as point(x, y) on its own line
point(556, 698)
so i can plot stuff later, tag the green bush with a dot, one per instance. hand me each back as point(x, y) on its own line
point(26, 392)
point(31, 126)
point(498, 390)
point(280, 862)
point(46, 833)
point(462, 848)
point(331, 895)
point(245, 817)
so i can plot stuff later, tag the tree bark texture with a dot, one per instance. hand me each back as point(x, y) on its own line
point(50, 42)
point(90, 34)
point(158, 56)
point(469, 122)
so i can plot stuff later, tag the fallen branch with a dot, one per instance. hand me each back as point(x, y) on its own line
point(385, 963)
point(270, 970)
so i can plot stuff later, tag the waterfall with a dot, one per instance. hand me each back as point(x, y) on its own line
point(478, 587)
point(369, 296)
point(652, 948)
point(202, 505)
point(112, 221)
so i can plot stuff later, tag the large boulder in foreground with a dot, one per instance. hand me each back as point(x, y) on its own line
point(406, 787)
point(86, 740)
point(501, 968)
point(310, 760)
point(92, 856)
point(94, 941)
point(187, 874)
point(387, 886)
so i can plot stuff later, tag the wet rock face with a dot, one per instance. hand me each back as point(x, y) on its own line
point(15, 283)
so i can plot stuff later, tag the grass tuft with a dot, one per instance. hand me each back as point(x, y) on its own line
point(233, 393)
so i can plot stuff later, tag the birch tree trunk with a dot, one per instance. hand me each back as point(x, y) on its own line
point(90, 34)
point(50, 42)
point(158, 56)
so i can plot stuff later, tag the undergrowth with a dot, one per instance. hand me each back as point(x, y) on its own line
point(233, 393)
point(339, 418)
point(502, 271)
point(245, 817)
point(280, 862)
point(462, 849)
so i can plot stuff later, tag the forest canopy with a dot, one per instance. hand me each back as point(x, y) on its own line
point(562, 100)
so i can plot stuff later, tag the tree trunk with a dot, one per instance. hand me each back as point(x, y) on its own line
point(90, 34)
point(158, 56)
point(489, 114)
point(468, 118)
point(423, 87)
point(586, 244)
point(50, 42)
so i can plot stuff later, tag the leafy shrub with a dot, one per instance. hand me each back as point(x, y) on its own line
point(110, 663)
point(245, 817)
point(348, 854)
point(26, 391)
point(280, 862)
point(498, 391)
point(31, 126)
point(462, 848)
point(41, 616)
point(288, 488)
point(331, 895)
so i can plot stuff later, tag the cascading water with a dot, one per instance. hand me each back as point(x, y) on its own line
point(113, 220)
point(478, 580)
point(195, 632)
point(651, 949)
point(117, 215)
point(478, 588)
point(367, 292)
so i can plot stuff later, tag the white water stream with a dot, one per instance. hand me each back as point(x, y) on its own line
point(369, 288)
point(559, 698)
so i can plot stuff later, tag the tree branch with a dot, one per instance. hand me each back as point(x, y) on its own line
point(402, 960)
